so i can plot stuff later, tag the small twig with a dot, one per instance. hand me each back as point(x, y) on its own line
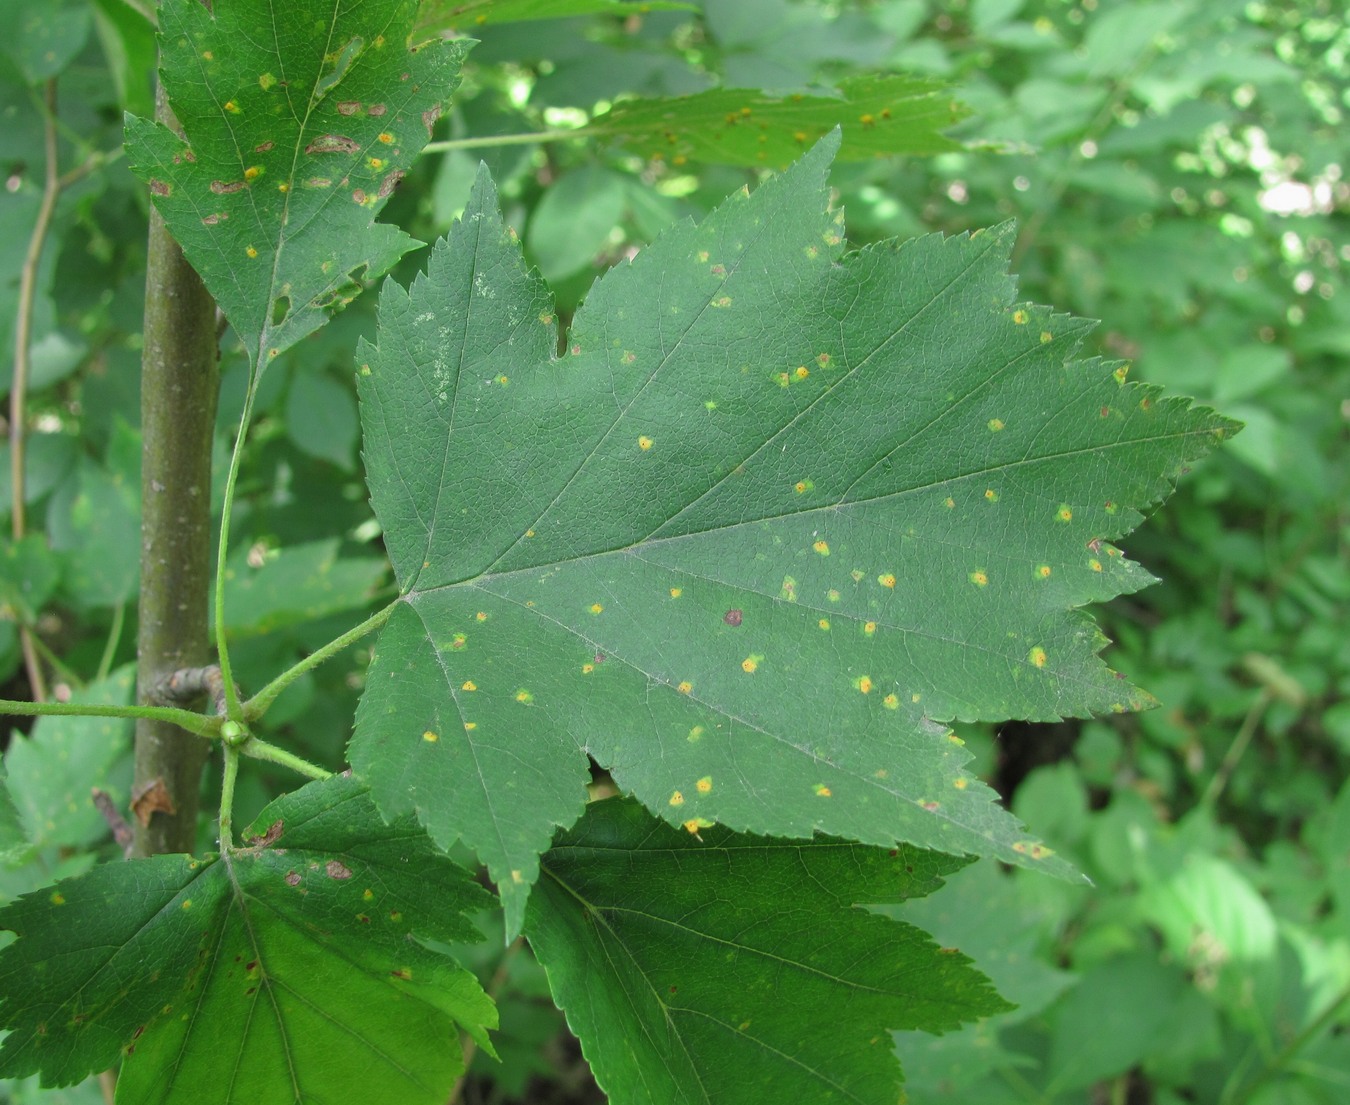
point(121, 831)
point(1246, 731)
point(186, 685)
point(23, 339)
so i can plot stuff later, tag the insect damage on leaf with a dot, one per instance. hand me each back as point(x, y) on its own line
point(869, 498)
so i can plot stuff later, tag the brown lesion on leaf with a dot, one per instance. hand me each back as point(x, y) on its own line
point(318, 182)
point(160, 188)
point(333, 143)
point(335, 869)
point(377, 110)
point(349, 107)
point(211, 220)
point(221, 187)
point(269, 837)
point(263, 147)
point(293, 878)
point(430, 116)
point(389, 183)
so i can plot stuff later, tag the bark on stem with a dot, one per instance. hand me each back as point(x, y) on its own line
point(179, 385)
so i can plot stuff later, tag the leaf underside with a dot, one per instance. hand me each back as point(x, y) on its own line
point(273, 192)
point(735, 968)
point(282, 972)
point(776, 516)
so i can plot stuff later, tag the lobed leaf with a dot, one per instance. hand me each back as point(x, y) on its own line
point(882, 116)
point(287, 971)
point(778, 516)
point(438, 15)
point(285, 162)
point(739, 968)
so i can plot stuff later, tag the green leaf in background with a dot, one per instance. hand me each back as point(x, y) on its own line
point(53, 768)
point(438, 15)
point(880, 116)
point(777, 516)
point(321, 417)
point(28, 576)
point(574, 220)
point(297, 584)
point(42, 39)
point(739, 968)
point(286, 971)
point(13, 839)
point(285, 164)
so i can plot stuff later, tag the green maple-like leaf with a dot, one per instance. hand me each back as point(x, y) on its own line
point(777, 516)
point(287, 971)
point(881, 117)
point(286, 160)
point(737, 968)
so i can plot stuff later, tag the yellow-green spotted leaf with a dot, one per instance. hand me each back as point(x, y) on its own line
point(775, 516)
point(286, 971)
point(290, 149)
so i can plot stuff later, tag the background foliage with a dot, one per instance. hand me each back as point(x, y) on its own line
point(1174, 170)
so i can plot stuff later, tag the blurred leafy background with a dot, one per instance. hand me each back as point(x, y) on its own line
point(1176, 168)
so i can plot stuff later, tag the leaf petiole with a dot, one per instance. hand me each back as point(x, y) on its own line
point(203, 726)
point(261, 750)
point(258, 705)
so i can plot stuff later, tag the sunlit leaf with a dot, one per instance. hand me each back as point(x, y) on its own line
point(286, 971)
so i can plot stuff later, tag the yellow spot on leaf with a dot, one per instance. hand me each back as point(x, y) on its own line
point(833, 595)
point(253, 172)
point(232, 107)
point(1020, 317)
point(949, 502)
point(990, 495)
point(596, 608)
point(803, 486)
point(57, 898)
point(1037, 656)
point(995, 424)
point(251, 251)
point(693, 825)
point(430, 737)
point(481, 616)
point(1064, 514)
point(1095, 565)
point(504, 380)
point(644, 443)
point(822, 791)
point(695, 734)
point(1046, 336)
point(822, 547)
point(802, 372)
point(823, 360)
point(685, 687)
point(891, 702)
point(1043, 571)
point(523, 695)
point(869, 628)
point(676, 592)
point(386, 137)
point(704, 785)
point(470, 726)
point(751, 664)
point(468, 685)
point(864, 684)
point(586, 669)
point(887, 579)
point(824, 623)
point(1121, 373)
point(367, 894)
point(979, 578)
point(961, 783)
point(677, 799)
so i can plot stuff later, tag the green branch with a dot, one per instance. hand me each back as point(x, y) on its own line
point(203, 726)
